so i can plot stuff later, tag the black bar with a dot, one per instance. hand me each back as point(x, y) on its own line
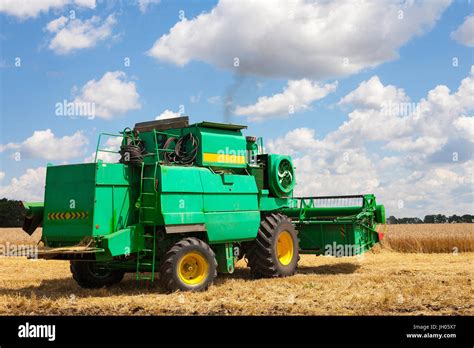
point(224, 330)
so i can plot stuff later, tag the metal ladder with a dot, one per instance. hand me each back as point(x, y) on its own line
point(146, 258)
point(148, 211)
point(148, 198)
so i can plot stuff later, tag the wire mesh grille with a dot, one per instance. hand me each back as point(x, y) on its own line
point(334, 201)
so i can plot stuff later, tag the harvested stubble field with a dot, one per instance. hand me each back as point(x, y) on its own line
point(394, 278)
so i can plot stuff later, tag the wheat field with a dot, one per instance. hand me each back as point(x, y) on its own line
point(384, 281)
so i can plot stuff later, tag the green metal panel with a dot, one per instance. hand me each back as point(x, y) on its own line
point(221, 148)
point(232, 226)
point(228, 192)
point(181, 195)
point(112, 174)
point(99, 191)
point(121, 242)
point(112, 199)
point(337, 239)
point(227, 204)
point(69, 189)
point(272, 203)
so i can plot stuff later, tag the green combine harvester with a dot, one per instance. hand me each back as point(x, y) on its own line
point(184, 202)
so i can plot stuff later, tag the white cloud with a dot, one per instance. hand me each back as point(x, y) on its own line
point(167, 114)
point(420, 176)
point(74, 34)
point(385, 113)
point(298, 39)
point(297, 96)
point(373, 94)
point(45, 145)
point(24, 9)
point(112, 95)
point(465, 33)
point(144, 4)
point(85, 3)
point(465, 126)
point(2, 175)
point(28, 187)
point(112, 144)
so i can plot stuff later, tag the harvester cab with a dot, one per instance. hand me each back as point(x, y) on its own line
point(182, 202)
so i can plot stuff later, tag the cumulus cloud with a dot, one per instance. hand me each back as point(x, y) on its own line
point(28, 187)
point(297, 96)
point(167, 114)
point(70, 35)
point(113, 94)
point(24, 9)
point(298, 39)
point(373, 94)
point(354, 159)
point(465, 33)
point(465, 126)
point(44, 144)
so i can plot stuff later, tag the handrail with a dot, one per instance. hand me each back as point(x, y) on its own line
point(97, 150)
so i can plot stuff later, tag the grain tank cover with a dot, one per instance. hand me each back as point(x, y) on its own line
point(228, 126)
point(221, 145)
point(169, 123)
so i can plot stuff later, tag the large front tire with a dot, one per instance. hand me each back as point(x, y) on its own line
point(274, 253)
point(91, 276)
point(190, 265)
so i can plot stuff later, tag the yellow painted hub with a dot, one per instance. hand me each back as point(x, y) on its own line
point(193, 268)
point(285, 248)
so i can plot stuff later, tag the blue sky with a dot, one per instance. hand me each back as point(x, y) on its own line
point(286, 58)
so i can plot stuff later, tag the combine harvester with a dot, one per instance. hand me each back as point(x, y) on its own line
point(188, 201)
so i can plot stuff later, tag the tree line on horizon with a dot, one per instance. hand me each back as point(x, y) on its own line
point(12, 214)
point(432, 219)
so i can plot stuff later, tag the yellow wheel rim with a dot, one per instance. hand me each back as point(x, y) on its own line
point(285, 248)
point(193, 268)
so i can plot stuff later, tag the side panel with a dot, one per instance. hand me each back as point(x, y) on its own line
point(230, 205)
point(227, 204)
point(232, 226)
point(181, 195)
point(69, 203)
point(112, 199)
point(337, 239)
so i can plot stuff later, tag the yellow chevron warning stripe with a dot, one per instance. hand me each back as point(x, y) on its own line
point(70, 215)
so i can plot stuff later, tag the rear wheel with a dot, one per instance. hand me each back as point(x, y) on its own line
point(274, 253)
point(190, 265)
point(90, 275)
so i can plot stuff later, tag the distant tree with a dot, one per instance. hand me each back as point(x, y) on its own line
point(440, 219)
point(429, 219)
point(454, 219)
point(410, 220)
point(12, 213)
point(392, 220)
point(467, 218)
